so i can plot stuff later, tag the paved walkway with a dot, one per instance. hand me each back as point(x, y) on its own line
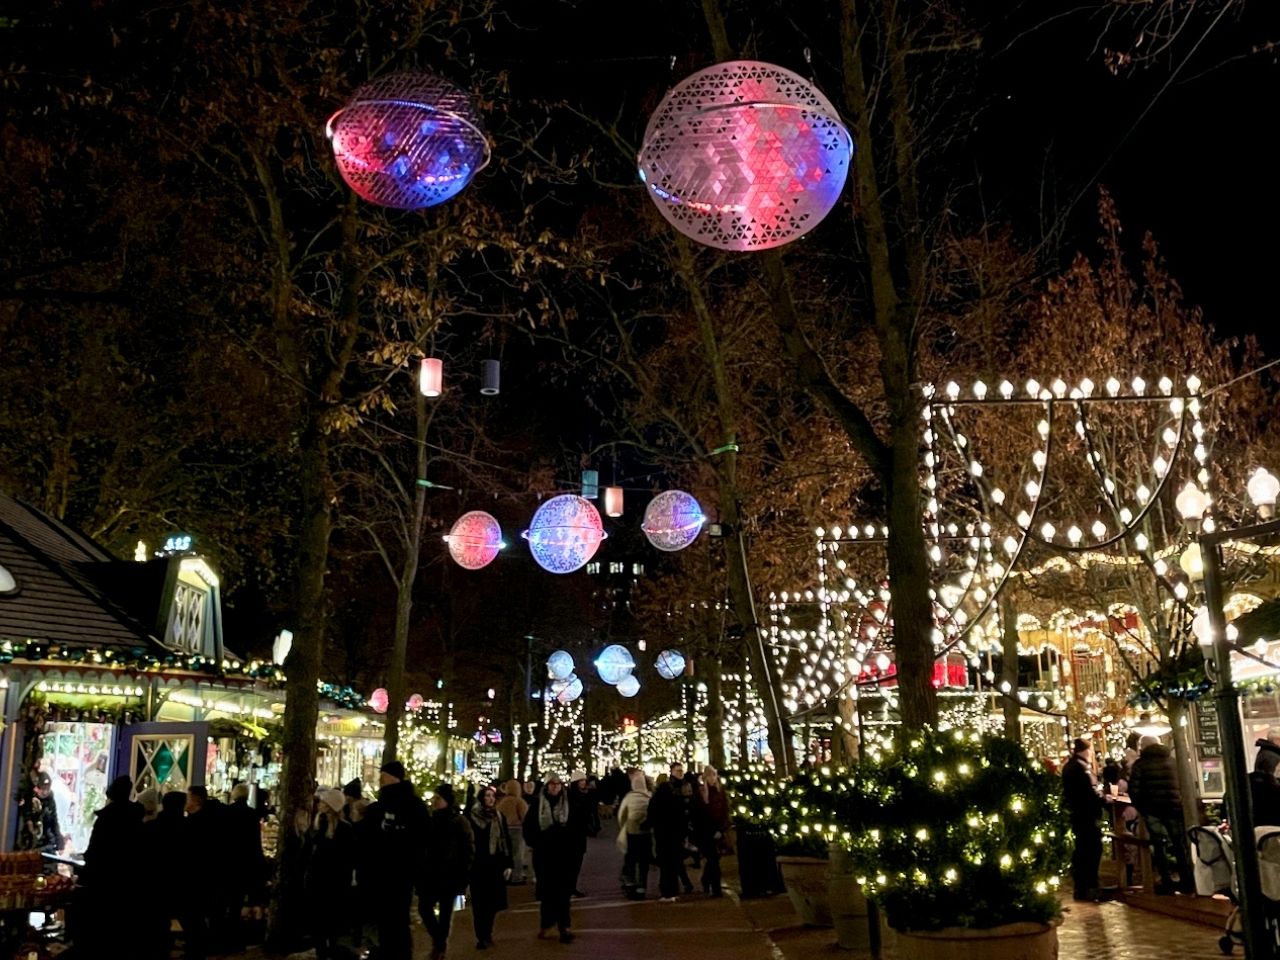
point(697, 927)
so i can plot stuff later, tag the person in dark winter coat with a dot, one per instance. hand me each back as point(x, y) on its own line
point(1084, 806)
point(331, 862)
point(710, 825)
point(159, 838)
point(584, 822)
point(450, 851)
point(203, 841)
point(491, 867)
point(247, 868)
point(1264, 787)
point(109, 875)
point(666, 819)
point(1153, 788)
point(684, 785)
point(393, 833)
point(546, 831)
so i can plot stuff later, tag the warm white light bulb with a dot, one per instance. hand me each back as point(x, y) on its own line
point(1006, 389)
point(1113, 386)
point(1099, 529)
point(1033, 388)
point(1139, 386)
point(1047, 531)
point(980, 390)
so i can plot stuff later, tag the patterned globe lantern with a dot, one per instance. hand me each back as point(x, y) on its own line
point(614, 663)
point(672, 520)
point(629, 686)
point(567, 690)
point(565, 533)
point(745, 156)
point(560, 665)
point(408, 140)
point(379, 700)
point(415, 703)
point(670, 664)
point(474, 540)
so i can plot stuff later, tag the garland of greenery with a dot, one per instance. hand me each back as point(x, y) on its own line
point(141, 660)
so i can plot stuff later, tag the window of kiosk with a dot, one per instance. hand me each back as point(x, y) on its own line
point(77, 756)
point(1261, 715)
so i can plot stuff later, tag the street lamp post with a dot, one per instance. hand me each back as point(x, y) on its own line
point(1192, 504)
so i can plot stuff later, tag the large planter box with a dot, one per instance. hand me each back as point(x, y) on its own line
point(808, 883)
point(1013, 941)
point(850, 913)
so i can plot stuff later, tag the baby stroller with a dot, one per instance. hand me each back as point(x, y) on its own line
point(1214, 872)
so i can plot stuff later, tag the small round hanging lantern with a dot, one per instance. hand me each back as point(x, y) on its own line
point(614, 663)
point(613, 501)
point(745, 155)
point(560, 665)
point(415, 703)
point(408, 140)
point(474, 540)
point(672, 520)
point(567, 690)
point(670, 664)
point(378, 700)
point(431, 377)
point(565, 533)
point(629, 686)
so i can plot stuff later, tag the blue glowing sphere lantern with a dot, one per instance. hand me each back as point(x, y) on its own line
point(565, 533)
point(408, 140)
point(614, 663)
point(669, 664)
point(672, 520)
point(567, 690)
point(745, 155)
point(560, 665)
point(628, 686)
point(474, 540)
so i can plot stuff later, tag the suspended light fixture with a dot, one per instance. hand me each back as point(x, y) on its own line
point(431, 377)
point(474, 540)
point(669, 664)
point(745, 155)
point(672, 520)
point(408, 140)
point(614, 663)
point(378, 700)
point(1263, 489)
point(560, 665)
point(629, 686)
point(590, 484)
point(565, 533)
point(490, 378)
point(613, 501)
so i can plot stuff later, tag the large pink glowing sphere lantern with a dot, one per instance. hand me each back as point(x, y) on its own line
point(378, 700)
point(672, 520)
point(565, 533)
point(415, 703)
point(408, 140)
point(745, 156)
point(474, 540)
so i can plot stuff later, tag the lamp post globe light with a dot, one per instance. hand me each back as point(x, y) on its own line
point(1203, 562)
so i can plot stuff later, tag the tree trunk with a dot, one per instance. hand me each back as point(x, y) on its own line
point(708, 668)
point(1010, 703)
point(909, 577)
point(396, 684)
point(1184, 759)
point(302, 699)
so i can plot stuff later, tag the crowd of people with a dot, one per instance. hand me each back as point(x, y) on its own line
point(676, 818)
point(137, 842)
point(366, 861)
point(1144, 784)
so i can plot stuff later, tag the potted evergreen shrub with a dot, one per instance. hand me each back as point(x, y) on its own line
point(965, 850)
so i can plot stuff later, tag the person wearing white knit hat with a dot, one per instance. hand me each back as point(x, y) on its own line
point(330, 862)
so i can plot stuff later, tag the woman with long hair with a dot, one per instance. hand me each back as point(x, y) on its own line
point(331, 864)
point(710, 826)
point(491, 866)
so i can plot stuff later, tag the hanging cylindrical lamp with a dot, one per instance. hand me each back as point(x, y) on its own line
point(613, 501)
point(590, 484)
point(431, 377)
point(490, 378)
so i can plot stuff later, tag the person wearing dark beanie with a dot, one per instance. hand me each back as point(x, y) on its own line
point(450, 851)
point(394, 829)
